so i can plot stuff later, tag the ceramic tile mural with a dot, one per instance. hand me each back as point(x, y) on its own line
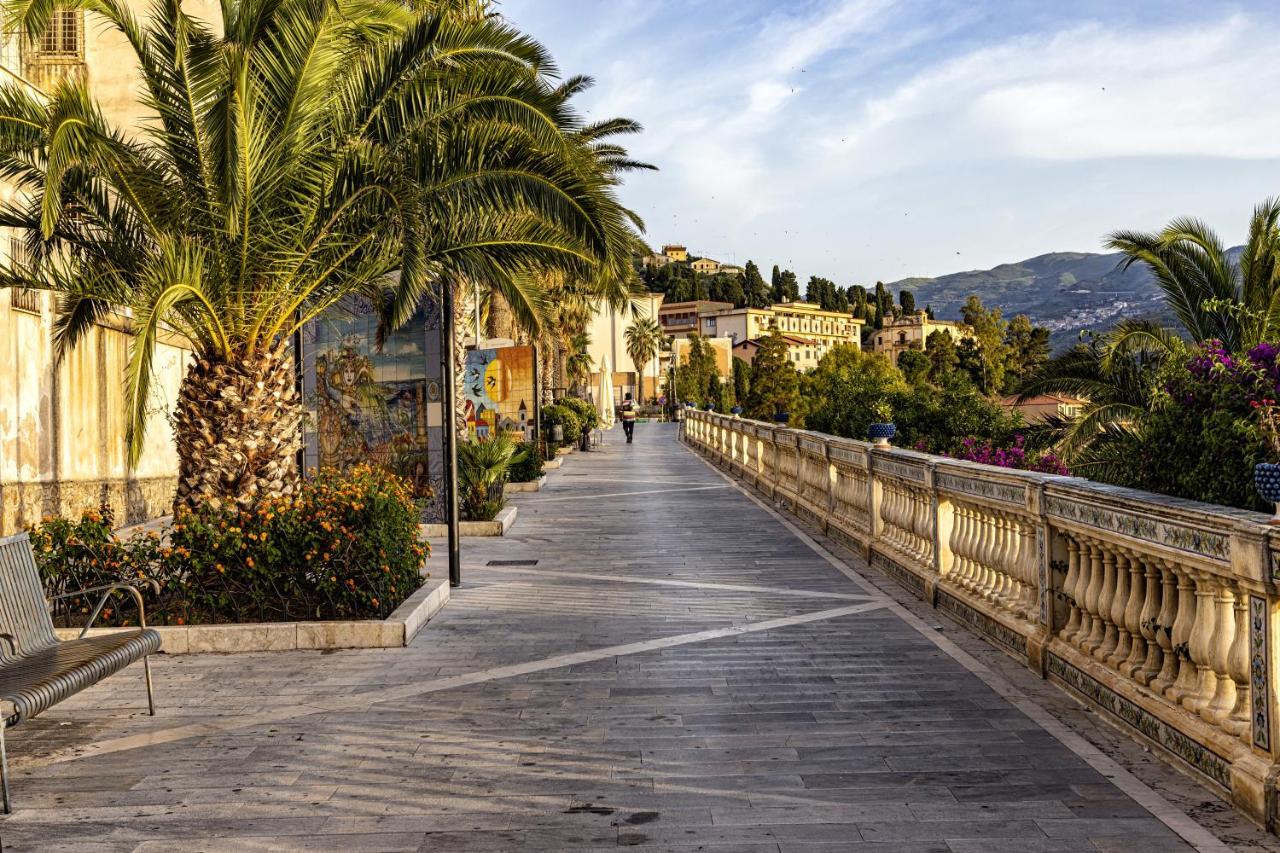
point(370, 404)
point(499, 389)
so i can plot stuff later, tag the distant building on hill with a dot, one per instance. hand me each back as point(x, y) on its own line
point(803, 352)
point(706, 266)
point(675, 252)
point(1042, 407)
point(803, 321)
point(681, 318)
point(911, 332)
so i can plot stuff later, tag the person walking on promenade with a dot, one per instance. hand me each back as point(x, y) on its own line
point(627, 412)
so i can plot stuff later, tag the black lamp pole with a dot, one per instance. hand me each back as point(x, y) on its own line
point(450, 432)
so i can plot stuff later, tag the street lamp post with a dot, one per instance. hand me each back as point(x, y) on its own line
point(450, 420)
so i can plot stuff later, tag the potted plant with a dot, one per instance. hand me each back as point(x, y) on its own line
point(882, 428)
point(1266, 475)
point(781, 417)
point(736, 411)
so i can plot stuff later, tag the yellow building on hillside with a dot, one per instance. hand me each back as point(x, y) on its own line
point(810, 331)
point(911, 332)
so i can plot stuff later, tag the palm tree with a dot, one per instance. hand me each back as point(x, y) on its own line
point(643, 336)
point(312, 151)
point(578, 363)
point(1214, 296)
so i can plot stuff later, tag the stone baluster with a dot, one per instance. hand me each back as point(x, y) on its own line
point(1069, 585)
point(1201, 644)
point(1238, 721)
point(996, 589)
point(1149, 624)
point(1031, 571)
point(1170, 602)
point(959, 545)
point(1106, 596)
point(1097, 628)
point(1119, 606)
point(986, 552)
point(1133, 617)
point(1223, 700)
point(1185, 683)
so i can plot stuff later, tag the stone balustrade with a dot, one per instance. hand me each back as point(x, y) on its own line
point(1160, 612)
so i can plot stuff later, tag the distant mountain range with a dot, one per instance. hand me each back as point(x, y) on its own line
point(1064, 291)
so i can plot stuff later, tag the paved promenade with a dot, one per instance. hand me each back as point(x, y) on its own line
point(679, 670)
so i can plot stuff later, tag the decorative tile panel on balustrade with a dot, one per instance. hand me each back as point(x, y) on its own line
point(1160, 612)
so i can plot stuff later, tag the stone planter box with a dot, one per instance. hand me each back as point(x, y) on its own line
point(393, 632)
point(531, 486)
point(564, 451)
point(498, 527)
point(553, 464)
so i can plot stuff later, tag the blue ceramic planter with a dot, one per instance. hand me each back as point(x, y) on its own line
point(1266, 479)
point(881, 433)
point(782, 417)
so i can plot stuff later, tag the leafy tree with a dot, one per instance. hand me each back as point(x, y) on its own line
point(303, 153)
point(858, 295)
point(789, 287)
point(984, 354)
point(944, 357)
point(775, 382)
point(842, 390)
point(741, 380)
point(757, 292)
point(824, 293)
point(907, 300)
point(1026, 350)
point(884, 305)
point(915, 366)
point(697, 372)
point(776, 293)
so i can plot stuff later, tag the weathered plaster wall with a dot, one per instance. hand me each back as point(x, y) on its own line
point(62, 429)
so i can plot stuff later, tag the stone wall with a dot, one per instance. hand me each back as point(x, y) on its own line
point(1161, 613)
point(62, 428)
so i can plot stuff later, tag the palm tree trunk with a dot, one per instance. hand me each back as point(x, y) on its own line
point(461, 325)
point(237, 427)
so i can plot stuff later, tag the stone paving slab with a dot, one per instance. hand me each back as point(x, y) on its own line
point(679, 672)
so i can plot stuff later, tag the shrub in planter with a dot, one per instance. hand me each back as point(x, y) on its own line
point(85, 553)
point(587, 415)
point(345, 547)
point(528, 466)
point(565, 417)
point(483, 464)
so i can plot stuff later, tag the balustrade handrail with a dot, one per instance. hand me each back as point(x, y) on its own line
point(1161, 611)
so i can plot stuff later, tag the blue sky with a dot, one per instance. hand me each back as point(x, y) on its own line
point(874, 139)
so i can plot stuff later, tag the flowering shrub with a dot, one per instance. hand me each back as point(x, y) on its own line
point(81, 554)
point(1014, 456)
point(1213, 420)
point(345, 547)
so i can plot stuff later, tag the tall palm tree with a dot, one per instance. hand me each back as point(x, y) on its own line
point(643, 336)
point(1213, 295)
point(304, 151)
point(579, 362)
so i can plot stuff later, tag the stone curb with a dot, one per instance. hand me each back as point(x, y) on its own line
point(531, 486)
point(396, 631)
point(498, 527)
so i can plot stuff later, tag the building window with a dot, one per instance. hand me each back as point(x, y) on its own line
point(19, 297)
point(65, 34)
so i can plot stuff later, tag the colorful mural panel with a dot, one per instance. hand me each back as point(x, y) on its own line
point(371, 404)
point(499, 387)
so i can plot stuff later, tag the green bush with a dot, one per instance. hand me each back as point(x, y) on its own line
point(565, 417)
point(587, 414)
point(528, 465)
point(483, 464)
point(345, 547)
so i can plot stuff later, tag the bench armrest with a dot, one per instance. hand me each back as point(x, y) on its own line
point(107, 590)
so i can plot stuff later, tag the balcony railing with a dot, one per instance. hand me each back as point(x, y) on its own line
point(1160, 612)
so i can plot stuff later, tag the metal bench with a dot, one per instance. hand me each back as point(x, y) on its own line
point(37, 670)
